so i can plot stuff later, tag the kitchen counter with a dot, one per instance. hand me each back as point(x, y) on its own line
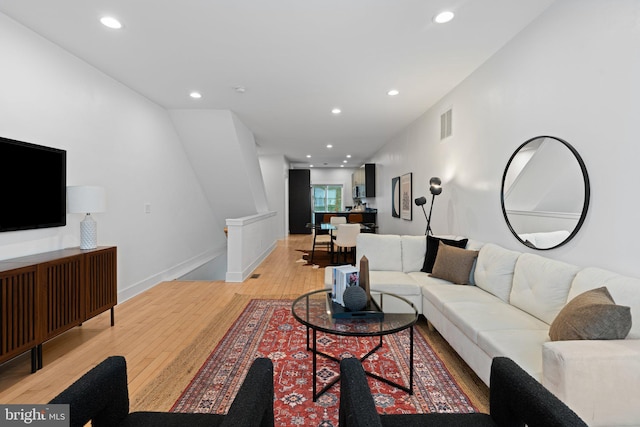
point(369, 216)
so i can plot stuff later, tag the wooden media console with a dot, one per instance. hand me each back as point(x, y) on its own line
point(44, 295)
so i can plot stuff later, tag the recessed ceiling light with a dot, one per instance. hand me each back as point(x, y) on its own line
point(329, 146)
point(348, 156)
point(341, 166)
point(310, 166)
point(336, 111)
point(443, 17)
point(393, 92)
point(195, 95)
point(308, 156)
point(344, 161)
point(111, 22)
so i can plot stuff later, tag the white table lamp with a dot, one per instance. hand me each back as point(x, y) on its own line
point(87, 199)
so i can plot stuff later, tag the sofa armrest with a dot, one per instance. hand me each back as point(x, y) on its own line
point(100, 396)
point(253, 404)
point(517, 399)
point(599, 380)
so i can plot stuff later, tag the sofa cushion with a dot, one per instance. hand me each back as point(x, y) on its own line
point(413, 250)
point(523, 346)
point(622, 288)
point(432, 250)
point(494, 270)
point(473, 317)
point(541, 285)
point(384, 251)
point(394, 282)
point(440, 292)
point(592, 315)
point(453, 264)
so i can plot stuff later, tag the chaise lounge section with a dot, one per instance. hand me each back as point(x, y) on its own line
point(506, 307)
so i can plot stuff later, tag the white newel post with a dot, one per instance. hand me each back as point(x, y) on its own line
point(250, 240)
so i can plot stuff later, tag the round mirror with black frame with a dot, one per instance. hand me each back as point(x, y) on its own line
point(545, 192)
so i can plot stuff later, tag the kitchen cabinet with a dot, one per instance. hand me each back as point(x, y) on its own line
point(364, 181)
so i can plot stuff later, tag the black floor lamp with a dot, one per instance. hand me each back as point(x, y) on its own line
point(435, 187)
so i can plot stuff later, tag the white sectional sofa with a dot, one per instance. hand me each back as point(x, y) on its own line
point(507, 310)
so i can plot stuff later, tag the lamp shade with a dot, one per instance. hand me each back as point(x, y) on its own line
point(86, 199)
point(435, 186)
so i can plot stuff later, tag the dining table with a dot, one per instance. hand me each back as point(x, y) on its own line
point(328, 228)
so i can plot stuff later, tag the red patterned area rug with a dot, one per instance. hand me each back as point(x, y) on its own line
point(266, 328)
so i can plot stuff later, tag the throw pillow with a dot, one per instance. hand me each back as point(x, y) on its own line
point(453, 264)
point(432, 250)
point(592, 315)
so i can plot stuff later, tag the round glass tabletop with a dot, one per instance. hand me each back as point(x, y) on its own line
point(313, 309)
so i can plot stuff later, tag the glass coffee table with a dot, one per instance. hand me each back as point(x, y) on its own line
point(313, 310)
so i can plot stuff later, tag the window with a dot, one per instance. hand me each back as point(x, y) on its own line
point(327, 198)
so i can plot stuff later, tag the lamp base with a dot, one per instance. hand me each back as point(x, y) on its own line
point(88, 233)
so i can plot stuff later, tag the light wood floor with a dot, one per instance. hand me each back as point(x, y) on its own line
point(153, 327)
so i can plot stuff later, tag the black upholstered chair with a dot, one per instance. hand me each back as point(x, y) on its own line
point(516, 399)
point(102, 397)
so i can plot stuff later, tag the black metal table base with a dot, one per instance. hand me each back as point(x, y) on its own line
point(316, 352)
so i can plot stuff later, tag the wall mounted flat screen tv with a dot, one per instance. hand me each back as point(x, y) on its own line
point(33, 186)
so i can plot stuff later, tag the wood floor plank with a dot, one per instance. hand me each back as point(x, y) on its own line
point(154, 327)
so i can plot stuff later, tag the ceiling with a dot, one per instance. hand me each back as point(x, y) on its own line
point(295, 59)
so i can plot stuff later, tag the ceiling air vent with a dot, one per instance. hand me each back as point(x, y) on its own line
point(446, 123)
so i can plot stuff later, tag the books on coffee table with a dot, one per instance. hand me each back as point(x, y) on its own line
point(343, 276)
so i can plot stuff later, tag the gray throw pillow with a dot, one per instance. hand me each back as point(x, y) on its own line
point(592, 315)
point(453, 264)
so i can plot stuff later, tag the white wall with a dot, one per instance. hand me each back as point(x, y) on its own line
point(573, 73)
point(335, 176)
point(114, 138)
point(274, 171)
point(247, 144)
point(223, 155)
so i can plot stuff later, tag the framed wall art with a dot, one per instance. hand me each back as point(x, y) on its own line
point(395, 197)
point(405, 196)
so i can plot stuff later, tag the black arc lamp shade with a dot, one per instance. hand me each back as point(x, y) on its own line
point(435, 186)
